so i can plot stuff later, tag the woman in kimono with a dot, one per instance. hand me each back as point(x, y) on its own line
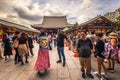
point(42, 62)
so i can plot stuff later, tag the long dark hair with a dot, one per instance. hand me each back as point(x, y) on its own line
point(100, 34)
point(17, 32)
point(42, 34)
point(23, 36)
point(5, 35)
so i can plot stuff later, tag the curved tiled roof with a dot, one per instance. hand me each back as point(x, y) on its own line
point(52, 22)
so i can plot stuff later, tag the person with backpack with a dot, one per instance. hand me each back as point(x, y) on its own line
point(109, 50)
point(114, 54)
point(114, 41)
point(99, 54)
point(109, 55)
point(84, 47)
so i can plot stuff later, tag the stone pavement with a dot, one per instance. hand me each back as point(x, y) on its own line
point(10, 71)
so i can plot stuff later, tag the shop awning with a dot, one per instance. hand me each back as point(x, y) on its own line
point(17, 26)
point(65, 29)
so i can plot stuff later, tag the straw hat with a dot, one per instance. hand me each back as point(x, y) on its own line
point(113, 35)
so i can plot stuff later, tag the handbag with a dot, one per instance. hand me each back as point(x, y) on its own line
point(15, 43)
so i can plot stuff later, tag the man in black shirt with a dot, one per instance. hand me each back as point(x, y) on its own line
point(60, 46)
point(84, 46)
point(17, 57)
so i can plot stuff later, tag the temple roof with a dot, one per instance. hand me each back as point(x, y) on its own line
point(99, 22)
point(53, 22)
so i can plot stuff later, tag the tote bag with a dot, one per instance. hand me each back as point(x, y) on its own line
point(15, 43)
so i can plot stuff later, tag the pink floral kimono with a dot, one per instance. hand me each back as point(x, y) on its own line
point(42, 62)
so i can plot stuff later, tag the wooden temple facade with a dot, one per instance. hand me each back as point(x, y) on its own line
point(52, 23)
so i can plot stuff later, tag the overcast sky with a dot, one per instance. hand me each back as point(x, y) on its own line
point(32, 11)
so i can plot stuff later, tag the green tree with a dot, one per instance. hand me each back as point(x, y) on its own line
point(76, 24)
point(118, 20)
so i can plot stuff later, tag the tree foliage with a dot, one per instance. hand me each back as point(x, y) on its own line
point(118, 20)
point(76, 24)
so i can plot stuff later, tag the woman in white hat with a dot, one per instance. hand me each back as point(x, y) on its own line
point(114, 43)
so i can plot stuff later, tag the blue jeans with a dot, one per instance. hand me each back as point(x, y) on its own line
point(61, 53)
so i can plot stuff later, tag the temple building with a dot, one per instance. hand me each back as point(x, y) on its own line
point(99, 23)
point(52, 23)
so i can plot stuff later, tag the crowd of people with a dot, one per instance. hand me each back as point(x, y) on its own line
point(104, 46)
point(21, 42)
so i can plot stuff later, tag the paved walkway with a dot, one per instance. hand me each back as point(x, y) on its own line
point(10, 71)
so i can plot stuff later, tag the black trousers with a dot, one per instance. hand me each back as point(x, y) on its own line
point(17, 57)
point(31, 51)
point(50, 45)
